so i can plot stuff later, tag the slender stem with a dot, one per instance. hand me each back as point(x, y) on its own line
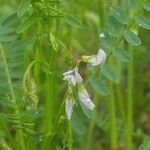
point(27, 72)
point(129, 129)
point(91, 127)
point(119, 93)
point(38, 55)
point(70, 136)
point(114, 2)
point(121, 102)
point(101, 12)
point(112, 114)
point(54, 131)
point(50, 102)
point(4, 145)
point(8, 75)
point(50, 96)
point(69, 45)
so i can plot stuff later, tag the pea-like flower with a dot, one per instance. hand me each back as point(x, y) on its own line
point(73, 76)
point(69, 104)
point(95, 60)
point(85, 98)
point(69, 107)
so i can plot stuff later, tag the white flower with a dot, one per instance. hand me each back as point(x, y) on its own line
point(95, 60)
point(73, 76)
point(85, 98)
point(69, 107)
point(69, 104)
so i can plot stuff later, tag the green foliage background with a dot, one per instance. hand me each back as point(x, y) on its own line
point(40, 40)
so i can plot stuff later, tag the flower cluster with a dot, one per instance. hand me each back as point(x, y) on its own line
point(74, 79)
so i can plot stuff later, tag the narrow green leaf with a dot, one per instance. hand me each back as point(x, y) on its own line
point(119, 14)
point(77, 124)
point(6, 103)
point(11, 20)
point(72, 21)
point(61, 44)
point(22, 43)
point(143, 22)
point(23, 7)
point(114, 27)
point(132, 4)
point(6, 30)
point(108, 72)
point(99, 87)
point(8, 38)
point(53, 42)
point(122, 55)
point(132, 38)
point(147, 6)
point(27, 23)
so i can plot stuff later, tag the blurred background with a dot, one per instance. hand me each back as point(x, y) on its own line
point(83, 41)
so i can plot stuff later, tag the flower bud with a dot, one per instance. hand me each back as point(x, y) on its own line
point(69, 104)
point(85, 98)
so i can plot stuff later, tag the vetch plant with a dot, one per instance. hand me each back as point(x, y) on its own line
point(38, 42)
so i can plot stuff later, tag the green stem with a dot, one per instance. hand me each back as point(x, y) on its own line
point(4, 145)
point(119, 93)
point(112, 114)
point(8, 75)
point(56, 123)
point(69, 45)
point(28, 70)
point(101, 13)
point(91, 127)
point(114, 2)
point(100, 4)
point(50, 102)
point(129, 129)
point(70, 136)
point(49, 108)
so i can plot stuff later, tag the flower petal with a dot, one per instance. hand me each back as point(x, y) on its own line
point(78, 77)
point(95, 60)
point(72, 76)
point(69, 108)
point(68, 73)
point(101, 56)
point(85, 98)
